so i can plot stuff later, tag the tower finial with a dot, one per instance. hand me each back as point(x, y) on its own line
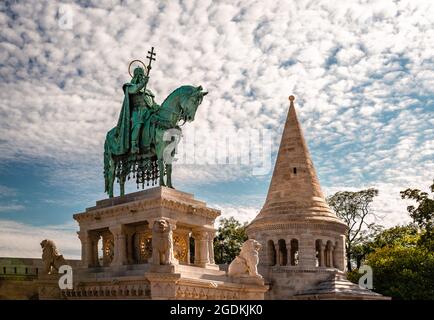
point(291, 99)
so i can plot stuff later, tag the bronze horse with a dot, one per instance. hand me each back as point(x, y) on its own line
point(153, 160)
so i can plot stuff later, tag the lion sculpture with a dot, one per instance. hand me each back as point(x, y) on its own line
point(51, 258)
point(246, 263)
point(162, 243)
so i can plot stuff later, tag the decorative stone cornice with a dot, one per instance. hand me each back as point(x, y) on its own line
point(314, 223)
point(147, 204)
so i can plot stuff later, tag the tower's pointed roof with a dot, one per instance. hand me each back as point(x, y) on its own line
point(294, 188)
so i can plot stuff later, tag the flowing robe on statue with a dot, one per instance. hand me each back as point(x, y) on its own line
point(119, 138)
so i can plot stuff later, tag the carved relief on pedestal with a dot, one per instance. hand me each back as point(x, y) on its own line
point(108, 248)
point(180, 248)
point(143, 245)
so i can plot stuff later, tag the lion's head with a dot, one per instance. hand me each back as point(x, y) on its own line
point(49, 249)
point(250, 246)
point(161, 226)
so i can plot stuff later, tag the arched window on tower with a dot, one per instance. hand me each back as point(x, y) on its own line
point(319, 257)
point(271, 251)
point(283, 254)
point(294, 252)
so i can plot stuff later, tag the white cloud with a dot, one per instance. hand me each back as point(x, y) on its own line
point(11, 207)
point(241, 213)
point(23, 240)
point(360, 71)
point(7, 192)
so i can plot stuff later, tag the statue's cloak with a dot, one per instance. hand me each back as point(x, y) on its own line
point(118, 139)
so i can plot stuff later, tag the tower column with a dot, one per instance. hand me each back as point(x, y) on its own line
point(288, 253)
point(321, 255)
point(306, 251)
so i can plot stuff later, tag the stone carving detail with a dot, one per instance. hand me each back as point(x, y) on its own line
point(195, 293)
point(144, 245)
point(111, 291)
point(109, 251)
point(246, 263)
point(180, 248)
point(162, 243)
point(51, 257)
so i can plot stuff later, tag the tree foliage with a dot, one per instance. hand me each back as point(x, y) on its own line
point(402, 268)
point(422, 214)
point(354, 208)
point(403, 272)
point(231, 234)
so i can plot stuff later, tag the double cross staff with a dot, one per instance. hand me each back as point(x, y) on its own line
point(150, 56)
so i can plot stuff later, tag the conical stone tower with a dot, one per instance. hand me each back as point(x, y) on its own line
point(302, 239)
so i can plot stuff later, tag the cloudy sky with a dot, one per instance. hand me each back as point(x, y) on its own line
point(362, 73)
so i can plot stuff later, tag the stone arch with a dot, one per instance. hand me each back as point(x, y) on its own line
point(294, 252)
point(271, 252)
point(319, 253)
point(283, 253)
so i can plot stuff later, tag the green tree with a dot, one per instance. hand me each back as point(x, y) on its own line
point(231, 234)
point(355, 209)
point(402, 268)
point(403, 272)
point(423, 214)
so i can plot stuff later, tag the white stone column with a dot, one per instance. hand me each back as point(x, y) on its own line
point(330, 256)
point(211, 236)
point(306, 251)
point(187, 239)
point(279, 256)
point(201, 257)
point(334, 260)
point(86, 248)
point(288, 252)
point(120, 257)
point(93, 249)
point(340, 253)
point(321, 255)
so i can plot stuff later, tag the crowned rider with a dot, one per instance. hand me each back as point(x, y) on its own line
point(137, 107)
point(142, 105)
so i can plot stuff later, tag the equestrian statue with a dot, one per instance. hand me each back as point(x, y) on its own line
point(141, 144)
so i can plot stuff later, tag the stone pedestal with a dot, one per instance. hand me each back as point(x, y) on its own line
point(48, 287)
point(126, 267)
point(128, 221)
point(163, 285)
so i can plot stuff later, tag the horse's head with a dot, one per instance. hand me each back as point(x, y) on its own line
point(192, 99)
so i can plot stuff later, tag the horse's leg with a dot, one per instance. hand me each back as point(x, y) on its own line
point(169, 175)
point(111, 178)
point(122, 185)
point(159, 147)
point(124, 174)
point(161, 169)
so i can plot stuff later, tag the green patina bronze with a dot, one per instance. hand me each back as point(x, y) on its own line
point(139, 146)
